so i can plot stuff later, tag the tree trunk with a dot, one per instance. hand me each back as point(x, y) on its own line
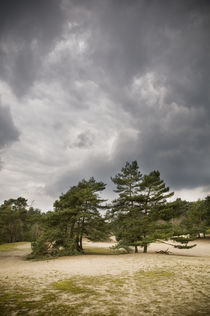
point(81, 233)
point(80, 242)
point(77, 243)
point(136, 249)
point(71, 234)
point(78, 236)
point(145, 249)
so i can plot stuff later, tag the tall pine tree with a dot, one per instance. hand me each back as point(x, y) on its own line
point(123, 208)
point(136, 211)
point(153, 197)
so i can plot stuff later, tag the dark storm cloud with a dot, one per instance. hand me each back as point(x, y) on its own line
point(178, 147)
point(119, 80)
point(170, 40)
point(132, 36)
point(27, 30)
point(8, 131)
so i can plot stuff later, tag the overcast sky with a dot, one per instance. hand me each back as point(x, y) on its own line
point(87, 85)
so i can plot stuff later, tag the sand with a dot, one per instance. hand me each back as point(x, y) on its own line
point(192, 265)
point(13, 263)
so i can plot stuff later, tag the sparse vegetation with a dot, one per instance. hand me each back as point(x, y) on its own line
point(142, 292)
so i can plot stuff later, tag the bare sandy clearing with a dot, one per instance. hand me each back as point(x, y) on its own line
point(13, 263)
point(202, 249)
point(127, 284)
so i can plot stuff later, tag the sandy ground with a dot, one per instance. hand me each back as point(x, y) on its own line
point(192, 264)
point(14, 264)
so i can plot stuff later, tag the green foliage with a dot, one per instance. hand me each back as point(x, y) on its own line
point(138, 216)
point(76, 215)
point(39, 248)
point(18, 222)
point(139, 205)
point(207, 210)
point(182, 239)
point(127, 182)
point(141, 215)
point(196, 218)
point(52, 243)
point(184, 246)
point(102, 251)
point(177, 209)
point(123, 244)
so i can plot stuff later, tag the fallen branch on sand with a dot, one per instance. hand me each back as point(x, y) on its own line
point(164, 252)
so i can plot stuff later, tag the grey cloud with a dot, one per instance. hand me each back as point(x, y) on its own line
point(173, 140)
point(84, 140)
point(170, 40)
point(8, 131)
point(136, 72)
point(173, 42)
point(27, 31)
point(98, 167)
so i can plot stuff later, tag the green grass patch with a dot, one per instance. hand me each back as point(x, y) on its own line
point(12, 246)
point(150, 279)
point(102, 251)
point(154, 274)
point(39, 303)
point(73, 287)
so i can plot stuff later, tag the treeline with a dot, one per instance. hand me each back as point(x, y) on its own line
point(138, 216)
point(19, 222)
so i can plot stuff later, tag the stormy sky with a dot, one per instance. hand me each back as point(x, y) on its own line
point(86, 85)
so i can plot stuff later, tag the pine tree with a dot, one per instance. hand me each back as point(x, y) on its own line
point(76, 215)
point(123, 208)
point(153, 197)
point(137, 210)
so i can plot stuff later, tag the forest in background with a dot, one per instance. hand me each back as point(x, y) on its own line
point(141, 214)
